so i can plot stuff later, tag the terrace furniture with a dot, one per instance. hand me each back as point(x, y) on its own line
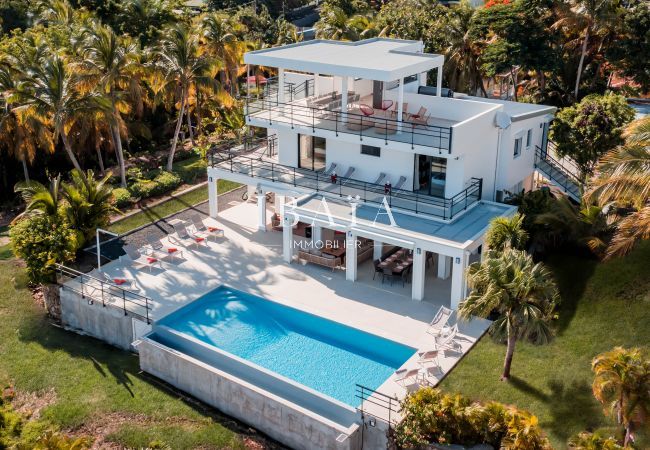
point(405, 108)
point(349, 172)
point(380, 178)
point(331, 169)
point(388, 126)
point(449, 342)
point(439, 323)
point(210, 231)
point(378, 269)
point(410, 379)
point(430, 363)
point(138, 259)
point(356, 122)
point(420, 118)
point(119, 281)
point(276, 223)
point(158, 247)
point(400, 183)
point(321, 259)
point(386, 105)
point(184, 237)
point(197, 235)
point(366, 110)
point(365, 250)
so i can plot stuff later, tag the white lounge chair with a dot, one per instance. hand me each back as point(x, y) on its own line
point(165, 251)
point(138, 259)
point(410, 379)
point(198, 236)
point(400, 183)
point(349, 172)
point(209, 231)
point(449, 342)
point(119, 281)
point(439, 323)
point(430, 363)
point(331, 169)
point(380, 179)
point(183, 237)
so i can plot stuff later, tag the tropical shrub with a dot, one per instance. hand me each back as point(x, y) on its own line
point(142, 189)
point(189, 173)
point(166, 182)
point(42, 241)
point(89, 203)
point(507, 232)
point(593, 441)
point(122, 198)
point(429, 416)
point(589, 129)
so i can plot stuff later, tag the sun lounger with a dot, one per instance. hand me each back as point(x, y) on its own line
point(430, 363)
point(198, 236)
point(380, 179)
point(141, 260)
point(166, 251)
point(449, 341)
point(400, 183)
point(349, 172)
point(208, 230)
point(184, 238)
point(410, 379)
point(420, 118)
point(439, 322)
point(331, 169)
point(120, 281)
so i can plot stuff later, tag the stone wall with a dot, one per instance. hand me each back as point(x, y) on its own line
point(106, 323)
point(283, 421)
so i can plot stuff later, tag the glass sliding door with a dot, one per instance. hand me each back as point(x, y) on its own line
point(311, 152)
point(431, 175)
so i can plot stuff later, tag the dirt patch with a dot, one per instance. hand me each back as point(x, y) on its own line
point(30, 404)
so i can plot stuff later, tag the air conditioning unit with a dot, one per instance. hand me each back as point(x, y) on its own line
point(499, 197)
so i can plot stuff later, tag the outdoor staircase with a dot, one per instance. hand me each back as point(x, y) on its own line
point(562, 175)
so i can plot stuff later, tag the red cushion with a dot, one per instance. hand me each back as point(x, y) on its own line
point(367, 110)
point(151, 260)
point(119, 281)
point(172, 250)
point(199, 239)
point(212, 229)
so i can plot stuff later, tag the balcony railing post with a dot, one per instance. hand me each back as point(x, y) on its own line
point(124, 301)
point(336, 122)
point(294, 176)
point(361, 127)
point(313, 120)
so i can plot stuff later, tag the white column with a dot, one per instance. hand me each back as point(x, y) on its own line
point(400, 103)
point(344, 94)
point(212, 196)
point(439, 81)
point(287, 236)
point(351, 257)
point(281, 85)
point(280, 200)
point(261, 210)
point(419, 266)
point(316, 234)
point(444, 266)
point(377, 249)
point(458, 280)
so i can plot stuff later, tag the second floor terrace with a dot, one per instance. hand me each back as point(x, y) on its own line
point(372, 91)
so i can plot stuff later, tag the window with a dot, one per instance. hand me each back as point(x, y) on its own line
point(518, 143)
point(529, 138)
point(370, 150)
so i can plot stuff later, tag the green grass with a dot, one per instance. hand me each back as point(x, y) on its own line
point(603, 305)
point(5, 250)
point(171, 206)
point(92, 380)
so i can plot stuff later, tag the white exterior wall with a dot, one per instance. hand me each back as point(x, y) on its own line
point(287, 147)
point(514, 170)
point(392, 162)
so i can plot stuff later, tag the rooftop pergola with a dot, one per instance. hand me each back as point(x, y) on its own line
point(377, 59)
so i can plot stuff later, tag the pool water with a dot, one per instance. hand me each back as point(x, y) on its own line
point(326, 356)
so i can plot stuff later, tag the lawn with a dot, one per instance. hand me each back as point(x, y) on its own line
point(92, 387)
point(603, 305)
point(171, 206)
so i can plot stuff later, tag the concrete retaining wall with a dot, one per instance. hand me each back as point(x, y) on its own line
point(286, 422)
point(105, 323)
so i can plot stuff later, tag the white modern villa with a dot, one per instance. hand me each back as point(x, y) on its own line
point(310, 309)
point(355, 123)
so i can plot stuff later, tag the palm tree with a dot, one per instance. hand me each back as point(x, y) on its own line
point(622, 385)
point(463, 69)
point(89, 203)
point(507, 232)
point(219, 37)
point(335, 24)
point(50, 94)
point(591, 16)
point(182, 66)
point(521, 292)
point(109, 64)
point(623, 177)
point(40, 199)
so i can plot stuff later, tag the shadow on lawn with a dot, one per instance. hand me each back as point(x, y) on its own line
point(123, 368)
point(572, 270)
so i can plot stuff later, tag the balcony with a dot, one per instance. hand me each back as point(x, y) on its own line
point(325, 112)
point(408, 201)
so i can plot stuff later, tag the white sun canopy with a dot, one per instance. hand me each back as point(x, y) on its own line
point(371, 59)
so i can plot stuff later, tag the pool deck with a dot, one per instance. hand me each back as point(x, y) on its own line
point(251, 261)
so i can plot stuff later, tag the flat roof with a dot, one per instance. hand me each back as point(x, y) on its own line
point(516, 110)
point(458, 233)
point(378, 59)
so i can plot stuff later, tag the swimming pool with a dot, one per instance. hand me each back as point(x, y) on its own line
point(326, 356)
